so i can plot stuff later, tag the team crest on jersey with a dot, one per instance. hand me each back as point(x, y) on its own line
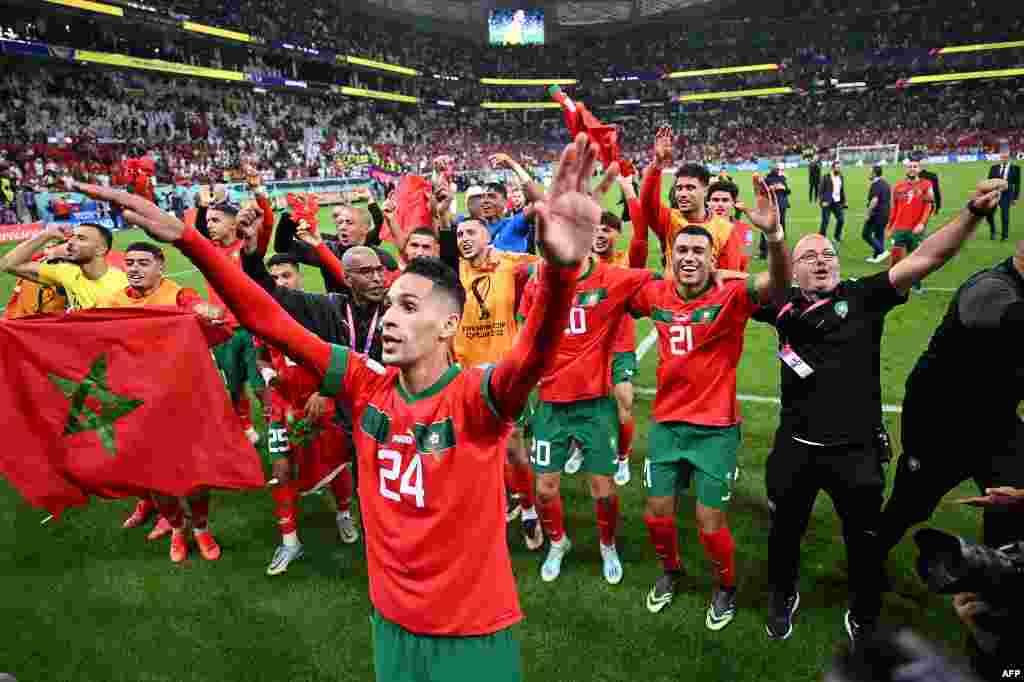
point(435, 439)
point(842, 308)
point(590, 298)
point(682, 317)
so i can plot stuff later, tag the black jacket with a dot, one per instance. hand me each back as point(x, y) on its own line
point(1013, 178)
point(285, 242)
point(825, 190)
point(325, 315)
point(934, 179)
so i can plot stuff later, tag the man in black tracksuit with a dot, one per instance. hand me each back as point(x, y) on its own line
point(830, 334)
point(960, 407)
point(813, 178)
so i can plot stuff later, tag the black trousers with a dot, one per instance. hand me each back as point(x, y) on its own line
point(1004, 210)
point(826, 211)
point(812, 189)
point(874, 233)
point(853, 477)
point(941, 450)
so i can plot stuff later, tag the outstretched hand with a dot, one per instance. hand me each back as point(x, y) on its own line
point(569, 215)
point(765, 216)
point(663, 141)
point(987, 193)
point(158, 224)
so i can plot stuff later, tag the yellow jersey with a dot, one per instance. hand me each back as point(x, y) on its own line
point(82, 292)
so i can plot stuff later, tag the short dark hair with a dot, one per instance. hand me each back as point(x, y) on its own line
point(724, 186)
point(283, 259)
point(442, 275)
point(877, 170)
point(108, 236)
point(498, 187)
point(423, 232)
point(149, 248)
point(694, 170)
point(609, 219)
point(227, 208)
point(696, 230)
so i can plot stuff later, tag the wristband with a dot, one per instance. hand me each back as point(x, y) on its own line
point(776, 237)
point(977, 212)
point(268, 375)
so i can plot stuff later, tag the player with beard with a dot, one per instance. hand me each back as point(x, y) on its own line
point(147, 286)
point(494, 281)
point(913, 200)
point(86, 277)
point(689, 204)
point(431, 438)
point(309, 449)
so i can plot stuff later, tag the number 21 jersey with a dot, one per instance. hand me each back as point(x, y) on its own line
point(700, 342)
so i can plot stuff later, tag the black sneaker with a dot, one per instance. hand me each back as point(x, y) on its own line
point(663, 591)
point(780, 615)
point(857, 632)
point(722, 609)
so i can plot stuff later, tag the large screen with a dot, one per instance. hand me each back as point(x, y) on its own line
point(517, 27)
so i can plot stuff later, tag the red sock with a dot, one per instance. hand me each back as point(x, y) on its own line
point(607, 509)
point(200, 505)
point(341, 486)
point(552, 518)
point(243, 408)
point(721, 551)
point(525, 485)
point(170, 508)
point(148, 505)
point(285, 498)
point(665, 538)
point(626, 430)
point(510, 477)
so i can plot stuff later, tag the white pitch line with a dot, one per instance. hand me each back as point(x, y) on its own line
point(183, 272)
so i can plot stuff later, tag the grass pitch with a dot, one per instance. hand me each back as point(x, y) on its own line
point(86, 601)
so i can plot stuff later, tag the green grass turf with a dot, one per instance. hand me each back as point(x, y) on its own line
point(87, 601)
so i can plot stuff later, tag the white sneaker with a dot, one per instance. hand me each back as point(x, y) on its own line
point(575, 461)
point(612, 565)
point(552, 566)
point(622, 475)
point(253, 435)
point(347, 528)
point(882, 256)
point(283, 556)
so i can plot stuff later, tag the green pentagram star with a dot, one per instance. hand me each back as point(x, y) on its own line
point(105, 408)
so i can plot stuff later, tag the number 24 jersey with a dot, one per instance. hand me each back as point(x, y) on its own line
point(432, 494)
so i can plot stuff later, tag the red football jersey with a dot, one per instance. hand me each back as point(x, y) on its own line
point(432, 494)
point(625, 338)
point(583, 360)
point(700, 342)
point(912, 202)
point(294, 385)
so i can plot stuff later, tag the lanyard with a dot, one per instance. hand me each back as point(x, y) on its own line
point(370, 332)
point(789, 306)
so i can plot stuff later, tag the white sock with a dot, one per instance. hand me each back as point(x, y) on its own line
point(291, 539)
point(530, 514)
point(345, 514)
point(200, 531)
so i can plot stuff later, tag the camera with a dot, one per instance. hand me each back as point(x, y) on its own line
point(949, 565)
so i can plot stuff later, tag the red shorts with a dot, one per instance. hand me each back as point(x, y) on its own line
point(315, 463)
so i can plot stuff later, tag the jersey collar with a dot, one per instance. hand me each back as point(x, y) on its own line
point(439, 385)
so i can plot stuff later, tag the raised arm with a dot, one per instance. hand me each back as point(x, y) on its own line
point(657, 215)
point(285, 241)
point(328, 260)
point(638, 248)
point(565, 235)
point(772, 285)
point(18, 261)
point(255, 309)
point(937, 249)
point(533, 190)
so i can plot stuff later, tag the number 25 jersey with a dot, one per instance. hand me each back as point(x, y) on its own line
point(700, 342)
point(432, 495)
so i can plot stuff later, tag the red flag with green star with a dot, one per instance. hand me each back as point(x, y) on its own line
point(116, 403)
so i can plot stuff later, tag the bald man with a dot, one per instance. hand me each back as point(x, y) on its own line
point(831, 434)
point(353, 228)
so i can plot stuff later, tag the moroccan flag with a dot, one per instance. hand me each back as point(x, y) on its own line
point(412, 205)
point(578, 119)
point(115, 403)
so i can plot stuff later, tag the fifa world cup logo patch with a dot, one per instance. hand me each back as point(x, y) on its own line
point(481, 288)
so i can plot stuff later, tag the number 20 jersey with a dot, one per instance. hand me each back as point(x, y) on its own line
point(700, 342)
point(432, 495)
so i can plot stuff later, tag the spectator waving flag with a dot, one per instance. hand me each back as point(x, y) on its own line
point(115, 403)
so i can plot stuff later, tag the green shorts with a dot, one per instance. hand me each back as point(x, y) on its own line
point(592, 424)
point(236, 360)
point(678, 452)
point(907, 239)
point(623, 368)
point(526, 418)
point(401, 656)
